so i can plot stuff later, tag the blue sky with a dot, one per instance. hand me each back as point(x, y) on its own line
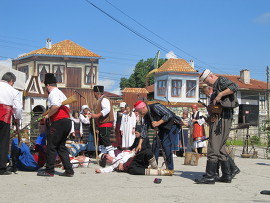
point(224, 36)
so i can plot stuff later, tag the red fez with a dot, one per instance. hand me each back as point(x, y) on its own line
point(139, 105)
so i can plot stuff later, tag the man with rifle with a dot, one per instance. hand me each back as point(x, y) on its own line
point(10, 104)
point(166, 123)
point(59, 126)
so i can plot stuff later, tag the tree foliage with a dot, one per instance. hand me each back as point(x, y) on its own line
point(138, 78)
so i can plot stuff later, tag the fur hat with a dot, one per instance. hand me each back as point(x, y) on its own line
point(50, 79)
point(98, 88)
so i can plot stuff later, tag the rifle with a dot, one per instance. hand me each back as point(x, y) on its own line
point(157, 137)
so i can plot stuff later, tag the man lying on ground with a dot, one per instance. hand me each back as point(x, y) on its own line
point(135, 164)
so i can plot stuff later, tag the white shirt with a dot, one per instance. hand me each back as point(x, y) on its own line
point(56, 97)
point(106, 106)
point(11, 97)
point(123, 157)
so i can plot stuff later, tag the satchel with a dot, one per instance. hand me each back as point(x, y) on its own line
point(229, 101)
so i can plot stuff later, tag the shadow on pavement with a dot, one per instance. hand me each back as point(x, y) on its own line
point(188, 174)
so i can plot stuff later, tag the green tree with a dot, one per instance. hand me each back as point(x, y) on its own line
point(138, 78)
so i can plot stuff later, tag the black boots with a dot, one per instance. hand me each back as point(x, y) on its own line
point(234, 169)
point(226, 172)
point(211, 173)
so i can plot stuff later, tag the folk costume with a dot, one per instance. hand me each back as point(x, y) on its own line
point(127, 127)
point(58, 130)
point(118, 119)
point(10, 104)
point(105, 120)
point(76, 128)
point(198, 132)
point(87, 126)
point(219, 129)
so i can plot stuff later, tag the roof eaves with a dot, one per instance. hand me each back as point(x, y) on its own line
point(28, 56)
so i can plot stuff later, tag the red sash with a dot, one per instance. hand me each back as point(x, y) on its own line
point(63, 112)
point(5, 113)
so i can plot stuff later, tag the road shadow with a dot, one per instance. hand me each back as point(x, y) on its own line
point(192, 175)
point(263, 164)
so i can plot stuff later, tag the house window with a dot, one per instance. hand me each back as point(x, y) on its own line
point(161, 87)
point(176, 88)
point(24, 69)
point(58, 71)
point(191, 88)
point(203, 97)
point(42, 70)
point(90, 74)
point(262, 102)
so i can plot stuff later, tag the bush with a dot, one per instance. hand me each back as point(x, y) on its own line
point(255, 140)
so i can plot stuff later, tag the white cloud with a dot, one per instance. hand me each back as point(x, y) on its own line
point(107, 83)
point(6, 63)
point(171, 55)
point(116, 91)
point(263, 19)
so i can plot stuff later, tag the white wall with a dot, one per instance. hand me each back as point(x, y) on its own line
point(183, 97)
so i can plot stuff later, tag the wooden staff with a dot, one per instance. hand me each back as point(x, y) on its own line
point(94, 129)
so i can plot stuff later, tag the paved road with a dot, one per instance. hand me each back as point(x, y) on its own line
point(86, 186)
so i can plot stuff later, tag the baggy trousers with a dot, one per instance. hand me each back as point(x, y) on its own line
point(219, 133)
point(4, 144)
point(56, 143)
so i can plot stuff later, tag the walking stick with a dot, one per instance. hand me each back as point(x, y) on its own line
point(183, 140)
point(157, 137)
point(93, 128)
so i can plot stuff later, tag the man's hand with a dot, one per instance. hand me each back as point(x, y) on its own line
point(157, 123)
point(217, 99)
point(121, 167)
point(98, 171)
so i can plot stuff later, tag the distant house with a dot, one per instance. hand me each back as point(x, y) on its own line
point(75, 68)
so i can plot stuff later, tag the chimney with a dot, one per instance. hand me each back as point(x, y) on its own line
point(245, 76)
point(191, 63)
point(48, 43)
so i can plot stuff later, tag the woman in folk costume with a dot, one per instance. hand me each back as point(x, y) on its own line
point(88, 138)
point(198, 129)
point(127, 127)
point(76, 128)
point(117, 123)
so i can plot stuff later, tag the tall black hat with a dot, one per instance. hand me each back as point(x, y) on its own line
point(50, 79)
point(98, 88)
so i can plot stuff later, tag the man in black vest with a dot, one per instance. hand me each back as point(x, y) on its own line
point(157, 115)
point(104, 117)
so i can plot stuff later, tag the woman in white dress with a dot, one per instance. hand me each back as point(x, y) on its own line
point(127, 128)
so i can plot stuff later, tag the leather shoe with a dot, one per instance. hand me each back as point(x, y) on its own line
point(66, 174)
point(5, 173)
point(44, 173)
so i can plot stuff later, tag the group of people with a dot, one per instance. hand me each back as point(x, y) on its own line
point(136, 156)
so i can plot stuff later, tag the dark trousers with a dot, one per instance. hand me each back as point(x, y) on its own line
point(56, 143)
point(4, 144)
point(104, 136)
point(165, 137)
point(140, 162)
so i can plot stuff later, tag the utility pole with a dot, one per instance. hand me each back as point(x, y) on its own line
point(267, 93)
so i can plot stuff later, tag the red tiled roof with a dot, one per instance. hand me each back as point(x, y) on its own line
point(177, 65)
point(150, 88)
point(254, 84)
point(135, 90)
point(63, 48)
